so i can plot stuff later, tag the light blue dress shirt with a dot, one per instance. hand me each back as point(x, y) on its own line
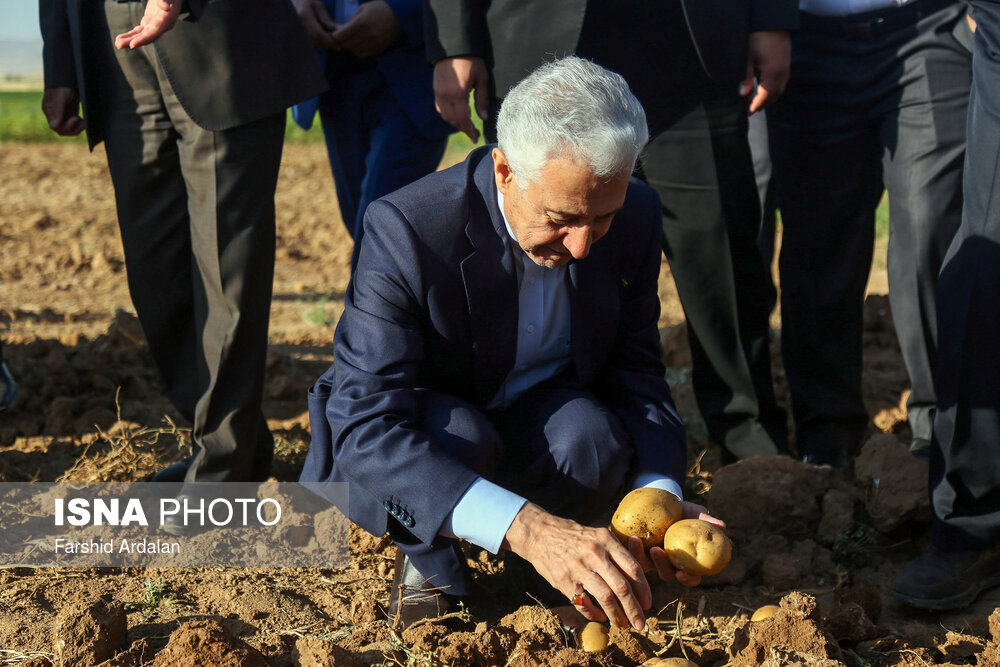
point(484, 513)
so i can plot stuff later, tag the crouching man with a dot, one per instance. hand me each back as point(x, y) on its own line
point(497, 371)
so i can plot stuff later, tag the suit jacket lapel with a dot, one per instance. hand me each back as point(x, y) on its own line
point(490, 287)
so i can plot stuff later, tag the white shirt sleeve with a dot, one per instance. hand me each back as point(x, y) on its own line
point(483, 514)
point(657, 481)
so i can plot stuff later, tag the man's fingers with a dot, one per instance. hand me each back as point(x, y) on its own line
point(714, 520)
point(124, 40)
point(746, 85)
point(481, 96)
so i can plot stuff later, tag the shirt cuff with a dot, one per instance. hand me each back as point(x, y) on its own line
point(483, 514)
point(655, 480)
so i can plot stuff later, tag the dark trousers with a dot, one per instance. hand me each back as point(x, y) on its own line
point(373, 146)
point(557, 446)
point(965, 452)
point(196, 213)
point(698, 160)
point(860, 113)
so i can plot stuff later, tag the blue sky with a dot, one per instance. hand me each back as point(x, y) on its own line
point(19, 19)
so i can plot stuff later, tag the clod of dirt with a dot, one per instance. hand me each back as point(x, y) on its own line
point(635, 648)
point(849, 623)
point(789, 504)
point(532, 619)
point(781, 571)
point(86, 635)
point(316, 652)
point(40, 661)
point(139, 654)
point(838, 515)
point(795, 627)
point(995, 625)
point(207, 642)
point(962, 649)
point(895, 483)
point(865, 594)
point(476, 649)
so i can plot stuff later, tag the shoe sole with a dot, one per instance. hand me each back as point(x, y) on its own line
point(962, 599)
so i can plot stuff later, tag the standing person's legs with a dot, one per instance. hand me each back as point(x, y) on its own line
point(761, 153)
point(702, 169)
point(964, 557)
point(196, 209)
point(825, 155)
point(924, 140)
point(373, 146)
point(9, 386)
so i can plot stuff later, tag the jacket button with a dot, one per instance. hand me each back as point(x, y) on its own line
point(388, 506)
point(408, 521)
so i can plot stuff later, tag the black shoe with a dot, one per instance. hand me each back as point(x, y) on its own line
point(191, 495)
point(11, 390)
point(413, 597)
point(175, 472)
point(948, 579)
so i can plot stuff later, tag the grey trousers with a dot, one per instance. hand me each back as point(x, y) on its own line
point(860, 113)
point(196, 213)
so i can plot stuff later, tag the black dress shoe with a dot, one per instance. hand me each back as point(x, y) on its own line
point(413, 598)
point(831, 457)
point(921, 448)
point(175, 472)
point(948, 579)
point(192, 495)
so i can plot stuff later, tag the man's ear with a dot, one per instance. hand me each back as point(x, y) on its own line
point(502, 172)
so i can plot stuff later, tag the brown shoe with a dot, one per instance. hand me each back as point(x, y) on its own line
point(948, 579)
point(413, 597)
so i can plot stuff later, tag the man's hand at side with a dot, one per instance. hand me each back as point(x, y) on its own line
point(454, 79)
point(664, 568)
point(317, 22)
point(371, 30)
point(61, 107)
point(769, 59)
point(569, 555)
point(160, 16)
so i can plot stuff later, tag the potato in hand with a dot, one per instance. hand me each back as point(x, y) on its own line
point(646, 513)
point(697, 547)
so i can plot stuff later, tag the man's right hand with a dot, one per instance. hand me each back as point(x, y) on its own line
point(318, 23)
point(61, 107)
point(574, 558)
point(454, 79)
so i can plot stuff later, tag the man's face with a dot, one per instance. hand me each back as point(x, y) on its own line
point(558, 217)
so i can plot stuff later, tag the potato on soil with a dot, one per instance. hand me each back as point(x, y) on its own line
point(668, 662)
point(594, 637)
point(767, 611)
point(697, 547)
point(645, 513)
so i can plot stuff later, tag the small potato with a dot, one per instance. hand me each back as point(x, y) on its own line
point(646, 513)
point(668, 662)
point(594, 637)
point(697, 547)
point(767, 611)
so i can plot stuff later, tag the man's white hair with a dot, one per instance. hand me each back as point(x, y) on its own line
point(575, 109)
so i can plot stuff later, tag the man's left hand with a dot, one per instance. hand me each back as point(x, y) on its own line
point(664, 568)
point(769, 59)
point(160, 16)
point(371, 30)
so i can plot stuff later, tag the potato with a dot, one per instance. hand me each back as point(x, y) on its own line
point(767, 611)
point(645, 513)
point(594, 637)
point(668, 662)
point(697, 547)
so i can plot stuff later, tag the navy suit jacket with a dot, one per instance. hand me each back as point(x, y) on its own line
point(433, 305)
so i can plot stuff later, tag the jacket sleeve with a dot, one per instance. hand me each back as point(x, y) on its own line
point(455, 28)
point(375, 404)
point(57, 48)
point(774, 15)
point(411, 19)
point(633, 380)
